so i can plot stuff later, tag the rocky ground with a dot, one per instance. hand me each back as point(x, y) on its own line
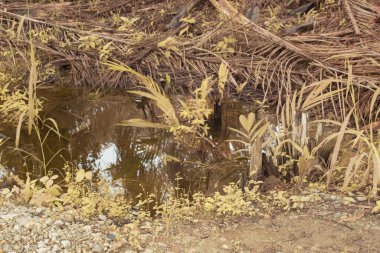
point(332, 225)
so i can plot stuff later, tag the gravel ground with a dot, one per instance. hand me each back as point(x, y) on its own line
point(42, 230)
point(332, 225)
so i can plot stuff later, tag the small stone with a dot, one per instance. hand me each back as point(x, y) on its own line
point(148, 251)
point(29, 225)
point(96, 248)
point(102, 217)
point(43, 250)
point(16, 227)
point(53, 236)
point(66, 244)
point(162, 245)
point(68, 218)
point(111, 237)
point(87, 228)
point(55, 248)
point(40, 211)
point(225, 246)
point(59, 223)
point(40, 244)
point(48, 221)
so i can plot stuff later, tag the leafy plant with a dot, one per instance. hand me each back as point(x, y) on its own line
point(253, 131)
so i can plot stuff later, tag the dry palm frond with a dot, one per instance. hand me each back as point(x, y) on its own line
point(226, 8)
point(153, 91)
point(273, 67)
point(348, 9)
point(362, 15)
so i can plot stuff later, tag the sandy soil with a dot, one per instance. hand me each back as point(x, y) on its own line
point(326, 226)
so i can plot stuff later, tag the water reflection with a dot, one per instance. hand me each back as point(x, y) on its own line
point(130, 158)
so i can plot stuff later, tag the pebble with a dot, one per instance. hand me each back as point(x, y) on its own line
point(53, 236)
point(111, 236)
point(67, 218)
point(225, 246)
point(48, 221)
point(55, 248)
point(162, 245)
point(148, 251)
point(43, 250)
point(96, 248)
point(66, 244)
point(40, 211)
point(40, 244)
point(59, 223)
point(102, 217)
point(87, 228)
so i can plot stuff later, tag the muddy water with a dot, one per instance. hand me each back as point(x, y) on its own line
point(132, 159)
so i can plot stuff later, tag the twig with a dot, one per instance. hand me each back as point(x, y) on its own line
point(348, 9)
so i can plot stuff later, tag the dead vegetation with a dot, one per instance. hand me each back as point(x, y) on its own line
point(305, 60)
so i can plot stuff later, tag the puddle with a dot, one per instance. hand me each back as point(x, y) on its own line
point(132, 159)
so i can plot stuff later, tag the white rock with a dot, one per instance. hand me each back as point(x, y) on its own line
point(87, 228)
point(102, 217)
point(41, 244)
point(162, 245)
point(40, 211)
point(97, 248)
point(148, 251)
point(43, 250)
point(225, 246)
point(48, 221)
point(53, 236)
point(66, 244)
point(59, 223)
point(55, 248)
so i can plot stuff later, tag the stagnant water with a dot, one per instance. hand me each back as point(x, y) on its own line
point(132, 159)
